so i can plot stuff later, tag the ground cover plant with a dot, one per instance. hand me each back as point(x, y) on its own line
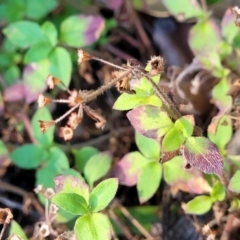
point(164, 157)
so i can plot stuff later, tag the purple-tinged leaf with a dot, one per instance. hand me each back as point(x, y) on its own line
point(150, 121)
point(234, 184)
point(15, 92)
point(81, 30)
point(180, 178)
point(201, 153)
point(34, 77)
point(128, 168)
point(204, 37)
point(113, 4)
point(229, 29)
point(70, 184)
point(149, 180)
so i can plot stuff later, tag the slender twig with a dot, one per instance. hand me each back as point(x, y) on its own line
point(102, 89)
point(120, 224)
point(134, 221)
point(3, 230)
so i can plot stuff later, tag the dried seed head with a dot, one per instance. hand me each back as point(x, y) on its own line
point(156, 65)
point(5, 215)
point(52, 81)
point(49, 193)
point(42, 100)
point(45, 125)
point(83, 56)
point(44, 230)
point(53, 209)
point(74, 98)
point(66, 133)
point(39, 189)
point(74, 120)
point(123, 85)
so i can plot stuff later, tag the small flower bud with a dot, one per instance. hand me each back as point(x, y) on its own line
point(74, 98)
point(38, 189)
point(53, 209)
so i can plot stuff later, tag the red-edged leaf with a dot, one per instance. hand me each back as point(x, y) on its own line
point(128, 168)
point(150, 121)
point(201, 153)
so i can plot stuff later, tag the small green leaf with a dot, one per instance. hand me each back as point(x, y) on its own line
point(45, 139)
point(204, 36)
point(23, 33)
point(219, 93)
point(185, 125)
point(93, 226)
point(12, 75)
point(199, 205)
point(61, 64)
point(218, 192)
point(16, 229)
point(234, 184)
point(38, 51)
point(150, 121)
point(81, 30)
point(185, 9)
point(223, 133)
point(28, 156)
point(39, 9)
point(103, 194)
point(235, 205)
point(82, 155)
point(173, 140)
point(97, 166)
point(13, 10)
point(201, 153)
point(50, 31)
point(149, 180)
point(229, 29)
point(127, 101)
point(56, 163)
point(71, 184)
point(148, 147)
point(72, 172)
point(71, 202)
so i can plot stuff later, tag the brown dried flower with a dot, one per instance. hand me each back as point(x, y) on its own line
point(156, 65)
point(42, 100)
point(74, 120)
point(44, 125)
point(74, 98)
point(5, 215)
point(123, 85)
point(52, 81)
point(66, 133)
point(83, 56)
